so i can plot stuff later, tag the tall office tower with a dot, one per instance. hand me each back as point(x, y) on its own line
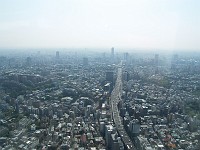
point(126, 76)
point(134, 127)
point(28, 61)
point(112, 52)
point(126, 56)
point(110, 76)
point(109, 129)
point(116, 143)
point(85, 61)
point(174, 61)
point(156, 61)
point(57, 54)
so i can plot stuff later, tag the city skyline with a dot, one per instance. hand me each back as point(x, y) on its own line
point(100, 24)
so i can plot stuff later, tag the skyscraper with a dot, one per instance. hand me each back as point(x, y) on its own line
point(110, 76)
point(112, 52)
point(57, 55)
point(28, 61)
point(156, 63)
point(174, 61)
point(126, 56)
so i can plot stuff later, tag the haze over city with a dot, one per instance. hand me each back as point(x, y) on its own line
point(129, 24)
point(99, 75)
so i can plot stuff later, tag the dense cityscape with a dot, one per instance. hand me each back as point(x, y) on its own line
point(110, 100)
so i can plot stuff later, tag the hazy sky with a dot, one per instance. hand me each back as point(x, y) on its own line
point(168, 24)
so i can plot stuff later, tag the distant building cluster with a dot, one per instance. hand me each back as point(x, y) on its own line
point(109, 101)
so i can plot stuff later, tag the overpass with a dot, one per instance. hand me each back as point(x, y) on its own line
point(115, 98)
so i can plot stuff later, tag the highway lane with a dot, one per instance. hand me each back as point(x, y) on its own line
point(115, 98)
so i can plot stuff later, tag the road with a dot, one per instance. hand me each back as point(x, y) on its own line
point(115, 98)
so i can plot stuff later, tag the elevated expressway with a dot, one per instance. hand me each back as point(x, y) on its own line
point(115, 98)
